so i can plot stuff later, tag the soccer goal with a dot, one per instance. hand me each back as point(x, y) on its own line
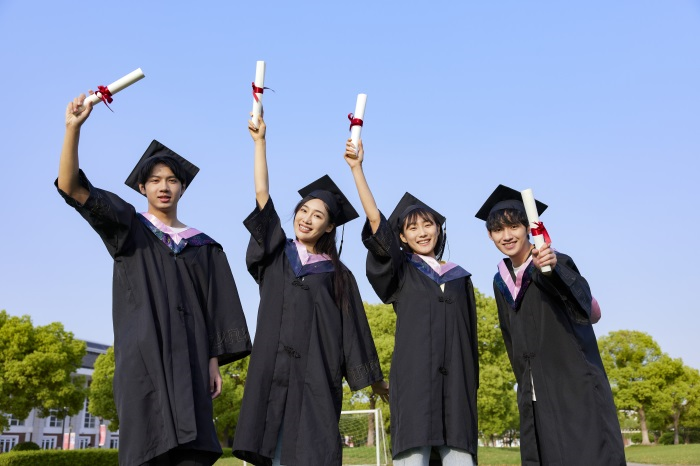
point(362, 434)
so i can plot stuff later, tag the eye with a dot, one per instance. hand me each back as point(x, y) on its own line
point(318, 216)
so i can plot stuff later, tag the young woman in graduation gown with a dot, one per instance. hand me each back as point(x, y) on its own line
point(176, 311)
point(312, 329)
point(567, 413)
point(434, 370)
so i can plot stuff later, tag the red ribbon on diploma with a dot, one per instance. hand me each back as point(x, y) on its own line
point(354, 121)
point(105, 95)
point(258, 90)
point(541, 230)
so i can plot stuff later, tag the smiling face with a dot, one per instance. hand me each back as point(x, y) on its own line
point(162, 189)
point(512, 240)
point(420, 234)
point(311, 221)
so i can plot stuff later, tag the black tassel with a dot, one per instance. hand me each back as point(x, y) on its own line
point(342, 237)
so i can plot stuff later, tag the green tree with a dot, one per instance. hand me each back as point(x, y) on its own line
point(681, 395)
point(101, 392)
point(227, 407)
point(638, 373)
point(37, 368)
point(496, 398)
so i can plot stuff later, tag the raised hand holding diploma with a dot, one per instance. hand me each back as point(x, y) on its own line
point(357, 119)
point(537, 229)
point(258, 89)
point(105, 93)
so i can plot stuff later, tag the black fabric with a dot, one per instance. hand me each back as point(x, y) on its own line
point(504, 197)
point(171, 314)
point(181, 457)
point(434, 371)
point(325, 189)
point(304, 346)
point(406, 205)
point(550, 336)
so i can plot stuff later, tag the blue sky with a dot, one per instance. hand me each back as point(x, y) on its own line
point(593, 105)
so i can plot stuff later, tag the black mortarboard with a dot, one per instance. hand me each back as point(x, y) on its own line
point(407, 204)
point(189, 170)
point(504, 197)
point(325, 189)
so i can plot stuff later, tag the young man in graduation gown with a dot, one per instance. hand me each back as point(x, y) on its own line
point(176, 311)
point(567, 413)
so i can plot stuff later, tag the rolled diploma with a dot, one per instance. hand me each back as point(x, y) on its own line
point(533, 218)
point(356, 130)
point(118, 85)
point(259, 82)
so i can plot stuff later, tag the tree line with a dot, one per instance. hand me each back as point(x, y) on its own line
point(653, 392)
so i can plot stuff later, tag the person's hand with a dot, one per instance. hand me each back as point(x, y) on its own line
point(215, 381)
point(258, 134)
point(544, 256)
point(381, 389)
point(78, 111)
point(352, 156)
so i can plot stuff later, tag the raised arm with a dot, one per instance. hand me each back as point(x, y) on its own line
point(354, 159)
point(68, 181)
point(262, 185)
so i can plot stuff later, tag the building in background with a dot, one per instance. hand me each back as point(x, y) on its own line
point(77, 432)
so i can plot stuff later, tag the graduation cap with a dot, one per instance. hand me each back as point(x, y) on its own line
point(406, 205)
point(504, 197)
point(156, 149)
point(325, 189)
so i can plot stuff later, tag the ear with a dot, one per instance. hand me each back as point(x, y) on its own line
point(402, 238)
point(330, 227)
point(489, 232)
point(182, 191)
point(142, 188)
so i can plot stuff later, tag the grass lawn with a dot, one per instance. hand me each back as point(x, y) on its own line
point(656, 454)
point(664, 454)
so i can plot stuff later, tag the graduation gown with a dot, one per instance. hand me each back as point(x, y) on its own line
point(174, 307)
point(434, 369)
point(304, 346)
point(546, 327)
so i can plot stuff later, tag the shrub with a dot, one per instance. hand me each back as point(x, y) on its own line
point(26, 446)
point(666, 438)
point(89, 457)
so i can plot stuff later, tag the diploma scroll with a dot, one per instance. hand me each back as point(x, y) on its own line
point(534, 219)
point(258, 86)
point(116, 86)
point(355, 125)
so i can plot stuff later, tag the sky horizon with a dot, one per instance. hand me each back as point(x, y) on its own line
point(593, 105)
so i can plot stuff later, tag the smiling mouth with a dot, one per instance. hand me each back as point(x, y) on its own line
point(424, 242)
point(304, 229)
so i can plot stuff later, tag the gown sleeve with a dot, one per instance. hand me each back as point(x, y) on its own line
point(571, 287)
point(471, 300)
point(108, 214)
point(385, 261)
point(362, 366)
point(504, 322)
point(266, 237)
point(229, 340)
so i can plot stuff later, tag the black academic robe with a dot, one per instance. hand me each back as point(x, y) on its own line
point(434, 370)
point(547, 332)
point(173, 310)
point(304, 346)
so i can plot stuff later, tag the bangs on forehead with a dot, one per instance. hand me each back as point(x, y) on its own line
point(418, 214)
point(305, 200)
point(506, 218)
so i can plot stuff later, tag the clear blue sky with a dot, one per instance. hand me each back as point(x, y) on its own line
point(592, 104)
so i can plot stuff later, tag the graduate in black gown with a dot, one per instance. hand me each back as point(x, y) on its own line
point(176, 311)
point(312, 329)
point(434, 370)
point(567, 413)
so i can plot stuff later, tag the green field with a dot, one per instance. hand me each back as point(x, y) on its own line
point(661, 454)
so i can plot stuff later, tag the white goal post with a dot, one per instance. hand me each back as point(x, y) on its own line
point(363, 429)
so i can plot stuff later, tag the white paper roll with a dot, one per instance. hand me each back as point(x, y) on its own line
point(259, 82)
point(533, 218)
point(356, 130)
point(118, 85)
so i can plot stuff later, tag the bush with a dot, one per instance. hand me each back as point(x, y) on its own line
point(666, 438)
point(636, 438)
point(26, 446)
point(89, 457)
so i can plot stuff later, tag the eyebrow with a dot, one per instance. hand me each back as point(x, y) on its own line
point(314, 210)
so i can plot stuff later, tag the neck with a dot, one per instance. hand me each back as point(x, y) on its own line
point(520, 258)
point(168, 218)
point(310, 247)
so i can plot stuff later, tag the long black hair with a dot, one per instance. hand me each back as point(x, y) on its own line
point(326, 245)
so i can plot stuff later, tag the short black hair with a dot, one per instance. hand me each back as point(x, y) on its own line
point(150, 163)
point(421, 213)
point(506, 217)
